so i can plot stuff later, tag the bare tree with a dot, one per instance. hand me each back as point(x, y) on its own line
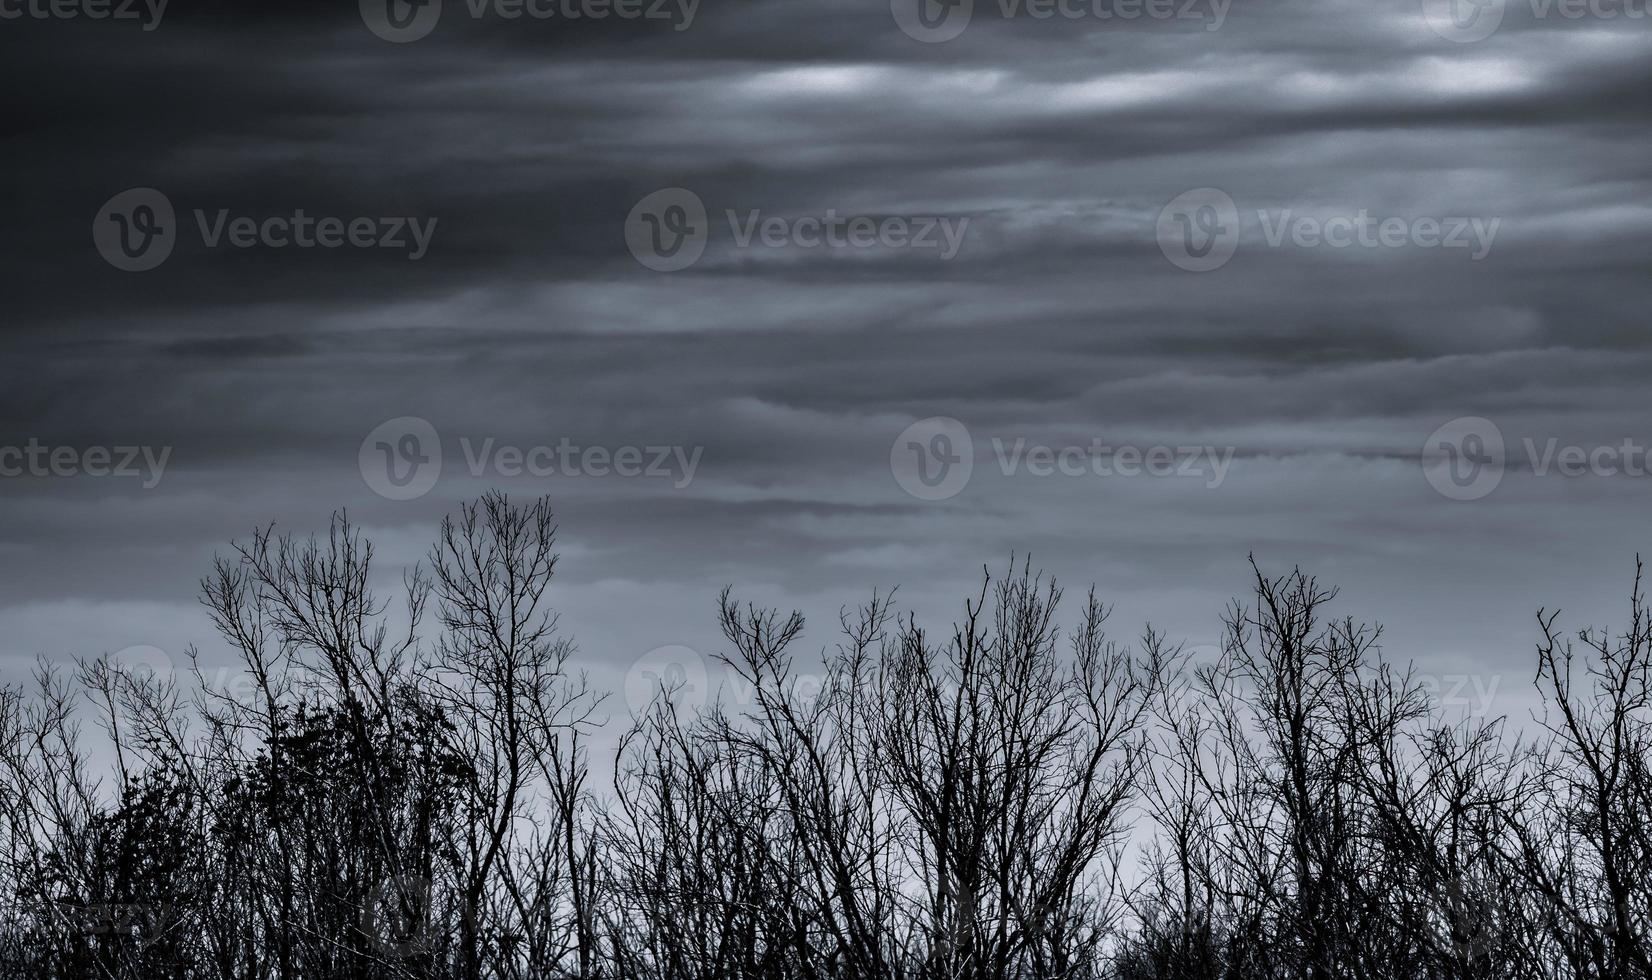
point(1581, 838)
point(1011, 797)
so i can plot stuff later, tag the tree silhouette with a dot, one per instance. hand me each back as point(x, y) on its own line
point(400, 791)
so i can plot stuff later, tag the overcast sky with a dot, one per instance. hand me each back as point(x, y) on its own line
point(1312, 361)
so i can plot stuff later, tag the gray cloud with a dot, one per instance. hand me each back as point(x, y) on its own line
point(1059, 321)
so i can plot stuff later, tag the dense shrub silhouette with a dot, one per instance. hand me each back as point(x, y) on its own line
point(403, 790)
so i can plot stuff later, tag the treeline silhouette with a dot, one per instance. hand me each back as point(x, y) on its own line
point(404, 790)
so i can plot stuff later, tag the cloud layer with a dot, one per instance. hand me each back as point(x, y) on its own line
point(1059, 322)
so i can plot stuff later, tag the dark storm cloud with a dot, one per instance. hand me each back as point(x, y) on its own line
point(1059, 321)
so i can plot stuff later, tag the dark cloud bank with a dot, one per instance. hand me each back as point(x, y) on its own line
point(1320, 370)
